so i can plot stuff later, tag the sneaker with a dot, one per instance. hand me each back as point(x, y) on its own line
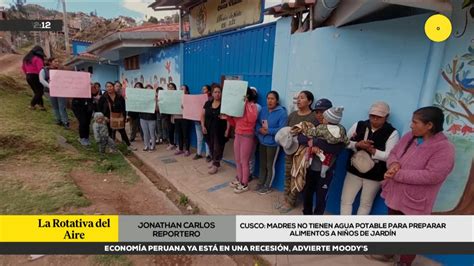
point(258, 187)
point(145, 149)
point(285, 209)
point(234, 184)
point(82, 142)
point(212, 170)
point(131, 148)
point(264, 191)
point(87, 142)
point(241, 188)
point(211, 164)
point(197, 157)
point(187, 153)
point(170, 147)
point(208, 158)
point(178, 152)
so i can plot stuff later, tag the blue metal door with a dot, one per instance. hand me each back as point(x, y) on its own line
point(247, 53)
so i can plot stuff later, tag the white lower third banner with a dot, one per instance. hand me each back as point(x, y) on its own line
point(359, 229)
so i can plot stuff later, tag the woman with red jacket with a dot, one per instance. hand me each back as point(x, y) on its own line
point(417, 167)
point(33, 62)
point(244, 142)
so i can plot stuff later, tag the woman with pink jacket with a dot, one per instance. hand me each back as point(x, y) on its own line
point(33, 63)
point(244, 142)
point(417, 167)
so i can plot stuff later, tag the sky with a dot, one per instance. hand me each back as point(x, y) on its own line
point(137, 9)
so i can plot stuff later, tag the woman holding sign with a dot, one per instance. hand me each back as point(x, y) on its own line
point(148, 125)
point(244, 141)
point(169, 124)
point(112, 105)
point(206, 89)
point(214, 128)
point(182, 129)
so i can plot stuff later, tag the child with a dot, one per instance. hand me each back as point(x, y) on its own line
point(330, 131)
point(101, 133)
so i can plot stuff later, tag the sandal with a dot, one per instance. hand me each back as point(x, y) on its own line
point(285, 209)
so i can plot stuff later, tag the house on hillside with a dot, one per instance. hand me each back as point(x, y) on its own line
point(149, 54)
point(101, 69)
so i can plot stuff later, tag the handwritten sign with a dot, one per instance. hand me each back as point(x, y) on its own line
point(141, 100)
point(233, 97)
point(69, 84)
point(193, 105)
point(218, 15)
point(170, 101)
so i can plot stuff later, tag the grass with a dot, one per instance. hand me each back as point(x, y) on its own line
point(30, 138)
point(183, 200)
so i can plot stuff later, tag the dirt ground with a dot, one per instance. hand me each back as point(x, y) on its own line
point(38, 174)
point(10, 63)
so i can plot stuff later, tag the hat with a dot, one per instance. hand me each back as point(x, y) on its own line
point(323, 104)
point(379, 108)
point(98, 115)
point(287, 140)
point(333, 115)
point(253, 88)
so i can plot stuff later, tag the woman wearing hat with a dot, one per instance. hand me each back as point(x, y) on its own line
point(372, 139)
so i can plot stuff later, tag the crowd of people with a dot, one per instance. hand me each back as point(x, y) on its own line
point(408, 170)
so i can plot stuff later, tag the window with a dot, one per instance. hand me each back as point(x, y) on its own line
point(132, 62)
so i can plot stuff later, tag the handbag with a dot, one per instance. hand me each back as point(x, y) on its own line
point(117, 121)
point(361, 160)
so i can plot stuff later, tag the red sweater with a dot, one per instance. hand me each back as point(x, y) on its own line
point(424, 168)
point(245, 125)
point(34, 67)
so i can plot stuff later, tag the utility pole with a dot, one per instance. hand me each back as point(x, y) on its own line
point(66, 27)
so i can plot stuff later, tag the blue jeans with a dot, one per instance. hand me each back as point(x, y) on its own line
point(59, 109)
point(200, 140)
point(148, 127)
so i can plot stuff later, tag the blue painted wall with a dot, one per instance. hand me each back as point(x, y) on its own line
point(354, 66)
point(247, 53)
point(158, 66)
point(79, 47)
point(101, 72)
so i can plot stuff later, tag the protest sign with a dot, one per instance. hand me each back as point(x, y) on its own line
point(69, 84)
point(193, 105)
point(170, 101)
point(233, 97)
point(141, 100)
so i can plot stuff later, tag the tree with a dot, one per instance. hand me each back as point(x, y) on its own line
point(458, 100)
point(17, 8)
point(152, 19)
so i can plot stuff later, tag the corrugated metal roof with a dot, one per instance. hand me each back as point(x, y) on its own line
point(79, 40)
point(174, 27)
point(175, 4)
